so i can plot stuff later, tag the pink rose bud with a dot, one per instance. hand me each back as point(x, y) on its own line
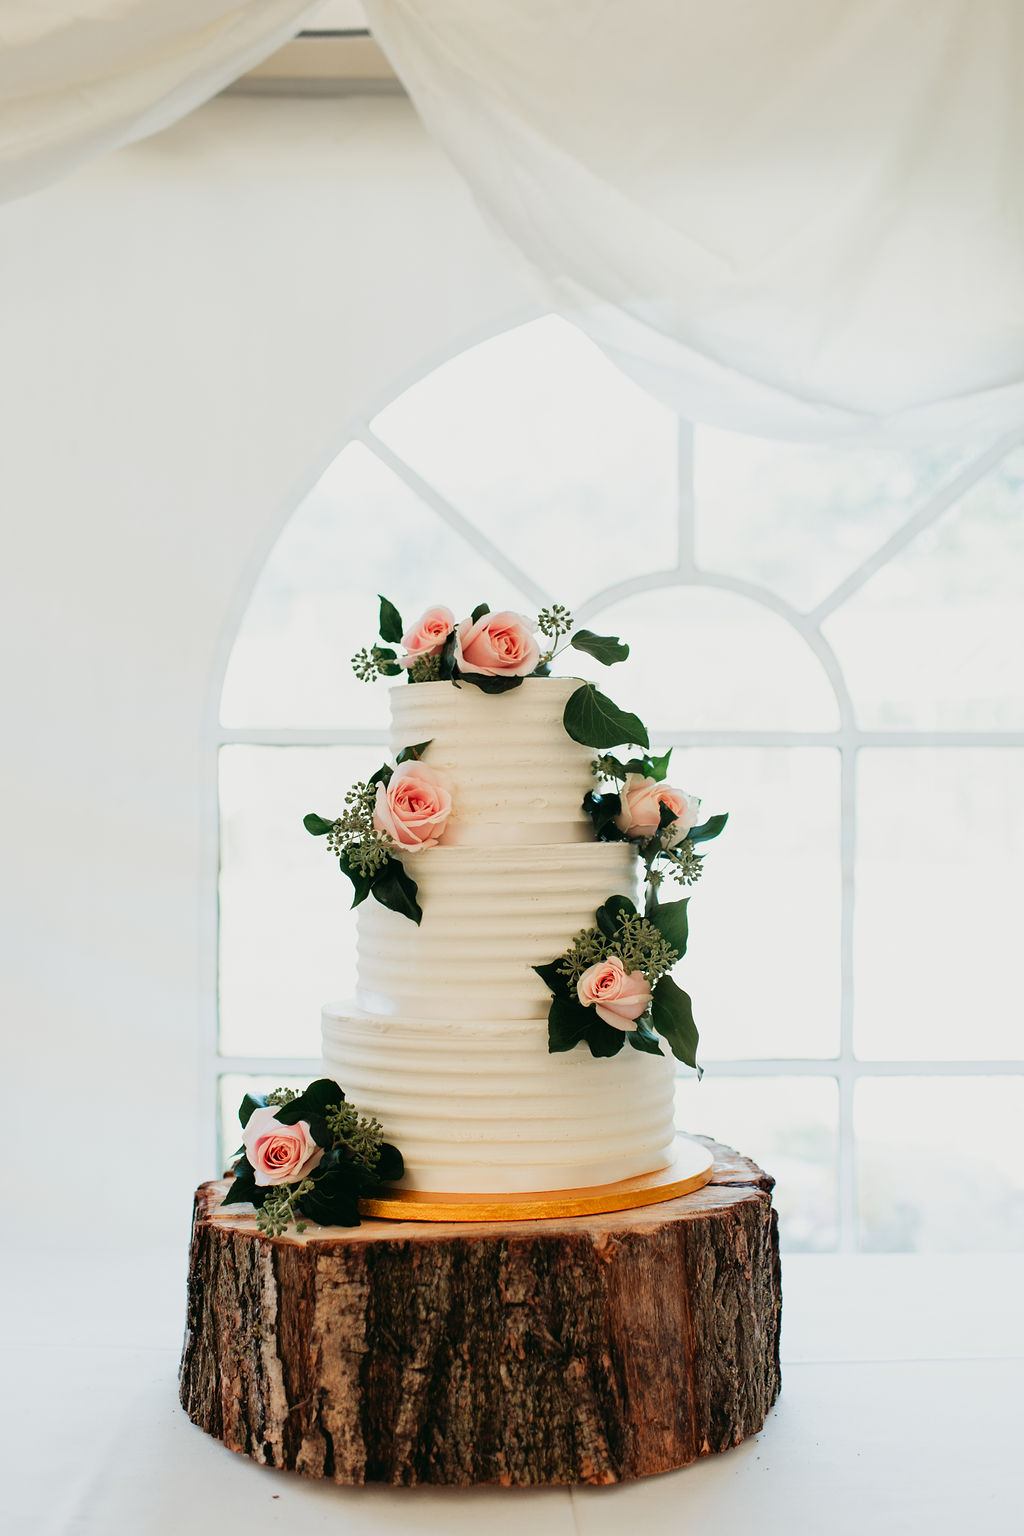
point(413, 810)
point(427, 636)
point(620, 996)
point(279, 1154)
point(497, 645)
point(642, 800)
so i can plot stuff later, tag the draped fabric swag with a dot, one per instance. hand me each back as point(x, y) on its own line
point(802, 218)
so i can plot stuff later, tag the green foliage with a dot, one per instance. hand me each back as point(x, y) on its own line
point(554, 622)
point(478, 612)
point(391, 626)
point(375, 661)
point(394, 889)
point(361, 1135)
point(672, 1017)
point(281, 1096)
point(412, 754)
point(281, 1207)
point(602, 810)
point(708, 829)
point(681, 863)
point(670, 919)
point(425, 669)
point(607, 649)
point(593, 720)
point(319, 826)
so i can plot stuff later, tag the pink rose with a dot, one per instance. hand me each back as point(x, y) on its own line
point(620, 996)
point(427, 636)
point(642, 800)
point(414, 808)
point(498, 645)
point(279, 1154)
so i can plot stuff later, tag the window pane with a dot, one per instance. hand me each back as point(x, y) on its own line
point(359, 532)
point(568, 466)
point(789, 1125)
point(939, 1163)
point(940, 903)
point(799, 518)
point(934, 641)
point(710, 660)
point(231, 1089)
point(763, 959)
point(287, 942)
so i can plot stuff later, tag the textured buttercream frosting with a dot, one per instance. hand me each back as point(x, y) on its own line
point(446, 1042)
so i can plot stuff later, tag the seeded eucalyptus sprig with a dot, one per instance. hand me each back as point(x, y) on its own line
point(634, 939)
point(281, 1207)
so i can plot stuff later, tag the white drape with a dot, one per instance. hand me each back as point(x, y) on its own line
point(78, 77)
point(792, 217)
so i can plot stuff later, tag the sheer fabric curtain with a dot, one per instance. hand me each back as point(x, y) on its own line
point(803, 218)
point(78, 77)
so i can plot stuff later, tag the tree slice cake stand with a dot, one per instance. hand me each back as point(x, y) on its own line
point(551, 1348)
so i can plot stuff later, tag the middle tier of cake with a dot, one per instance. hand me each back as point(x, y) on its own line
point(488, 918)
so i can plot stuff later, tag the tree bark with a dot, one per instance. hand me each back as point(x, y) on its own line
point(585, 1349)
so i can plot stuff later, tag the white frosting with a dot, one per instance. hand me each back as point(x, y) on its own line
point(516, 777)
point(447, 1041)
point(488, 918)
point(482, 1107)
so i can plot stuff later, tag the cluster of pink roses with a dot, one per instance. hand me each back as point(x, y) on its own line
point(494, 645)
point(640, 816)
point(618, 996)
point(414, 807)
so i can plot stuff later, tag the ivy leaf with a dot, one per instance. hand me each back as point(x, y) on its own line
point(556, 983)
point(672, 1016)
point(603, 1040)
point(249, 1104)
point(360, 883)
point(657, 767)
point(390, 1166)
point(672, 923)
point(641, 1039)
point(708, 829)
point(593, 720)
point(243, 1189)
point(666, 816)
point(446, 661)
point(568, 1023)
point(391, 627)
point(607, 649)
point(611, 912)
point(382, 776)
point(602, 810)
point(334, 1199)
point(412, 753)
point(312, 1103)
point(478, 612)
point(393, 888)
point(390, 669)
point(316, 824)
point(490, 684)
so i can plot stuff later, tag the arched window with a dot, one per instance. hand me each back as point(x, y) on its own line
point(831, 639)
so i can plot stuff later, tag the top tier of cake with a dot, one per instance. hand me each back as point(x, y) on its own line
point(516, 777)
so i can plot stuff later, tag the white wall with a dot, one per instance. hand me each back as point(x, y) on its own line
point(187, 327)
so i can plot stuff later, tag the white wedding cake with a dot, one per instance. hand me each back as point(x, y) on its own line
point(446, 1040)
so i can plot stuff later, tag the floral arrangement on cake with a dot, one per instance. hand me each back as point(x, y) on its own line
point(498, 651)
point(663, 822)
point(308, 1154)
point(404, 809)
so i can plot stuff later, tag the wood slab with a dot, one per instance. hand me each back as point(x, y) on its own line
point(577, 1349)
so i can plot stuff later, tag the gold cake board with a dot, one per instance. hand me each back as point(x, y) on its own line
point(690, 1169)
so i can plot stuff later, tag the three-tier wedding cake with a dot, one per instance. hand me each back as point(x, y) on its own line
point(446, 1042)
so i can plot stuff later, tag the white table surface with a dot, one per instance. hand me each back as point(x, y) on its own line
point(902, 1410)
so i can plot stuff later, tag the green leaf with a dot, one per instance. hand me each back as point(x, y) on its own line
point(334, 1199)
point(244, 1190)
point(568, 1023)
point(394, 889)
point(446, 661)
point(391, 1166)
point(672, 923)
point(391, 669)
point(602, 810)
point(641, 1039)
point(317, 825)
point(556, 983)
point(490, 684)
point(250, 1103)
point(412, 754)
point(360, 883)
point(603, 1039)
point(593, 720)
point(382, 775)
point(672, 1016)
point(607, 649)
point(391, 626)
point(312, 1103)
point(666, 816)
point(478, 612)
point(611, 912)
point(657, 767)
point(708, 829)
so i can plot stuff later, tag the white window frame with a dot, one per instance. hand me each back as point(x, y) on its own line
point(844, 1068)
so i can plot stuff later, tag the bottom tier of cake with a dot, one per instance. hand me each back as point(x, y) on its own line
point(485, 1108)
